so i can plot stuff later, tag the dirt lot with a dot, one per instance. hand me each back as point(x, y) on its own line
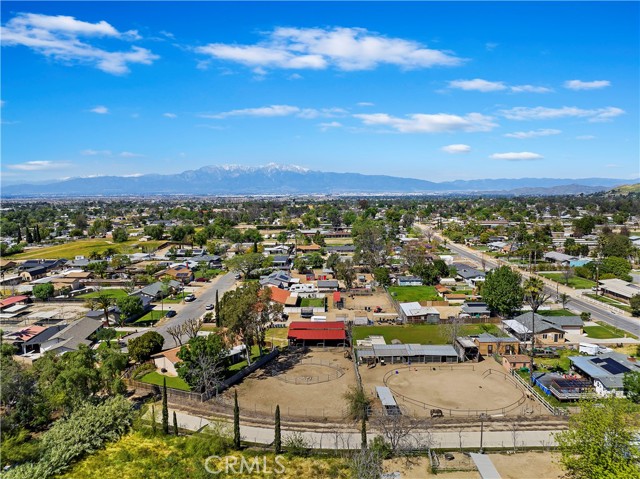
point(262, 390)
point(510, 466)
point(521, 465)
point(452, 387)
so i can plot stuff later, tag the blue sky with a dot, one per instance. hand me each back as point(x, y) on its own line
point(437, 91)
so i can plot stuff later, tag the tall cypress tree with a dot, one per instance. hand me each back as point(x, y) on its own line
point(154, 424)
point(165, 408)
point(363, 433)
point(175, 424)
point(29, 237)
point(277, 441)
point(236, 421)
point(19, 236)
point(217, 310)
point(36, 234)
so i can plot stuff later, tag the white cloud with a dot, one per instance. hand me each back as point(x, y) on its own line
point(345, 49)
point(279, 111)
point(612, 165)
point(530, 89)
point(364, 103)
point(100, 110)
point(520, 156)
point(585, 137)
point(128, 154)
point(454, 149)
point(96, 152)
point(330, 125)
point(435, 123)
point(170, 115)
point(586, 85)
point(478, 84)
point(521, 135)
point(295, 76)
point(544, 113)
point(491, 46)
point(59, 37)
point(39, 165)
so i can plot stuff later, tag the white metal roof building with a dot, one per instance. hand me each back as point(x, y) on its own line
point(410, 353)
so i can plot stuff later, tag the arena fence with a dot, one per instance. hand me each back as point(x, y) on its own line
point(337, 373)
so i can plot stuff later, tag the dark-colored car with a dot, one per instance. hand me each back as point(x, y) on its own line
point(171, 313)
point(201, 280)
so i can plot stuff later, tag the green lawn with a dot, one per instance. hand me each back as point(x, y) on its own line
point(407, 294)
point(421, 333)
point(575, 282)
point(111, 292)
point(84, 247)
point(312, 302)
point(172, 381)
point(151, 317)
point(210, 273)
point(619, 333)
point(599, 332)
point(170, 300)
point(552, 364)
point(255, 354)
point(557, 312)
point(612, 302)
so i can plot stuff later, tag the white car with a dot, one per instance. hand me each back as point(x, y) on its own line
point(190, 297)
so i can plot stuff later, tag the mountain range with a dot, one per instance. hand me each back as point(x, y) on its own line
point(273, 179)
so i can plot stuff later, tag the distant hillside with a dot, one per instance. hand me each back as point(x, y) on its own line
point(275, 179)
point(626, 189)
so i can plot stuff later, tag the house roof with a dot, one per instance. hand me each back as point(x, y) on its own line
point(317, 334)
point(410, 278)
point(416, 309)
point(387, 399)
point(279, 295)
point(170, 354)
point(24, 334)
point(621, 288)
point(300, 325)
point(608, 368)
point(516, 358)
point(543, 323)
point(328, 283)
point(475, 308)
point(559, 257)
point(76, 333)
point(45, 335)
point(155, 288)
point(490, 338)
point(13, 300)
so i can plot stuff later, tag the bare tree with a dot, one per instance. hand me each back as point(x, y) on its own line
point(191, 327)
point(208, 371)
point(515, 430)
point(567, 274)
point(453, 327)
point(403, 433)
point(535, 297)
point(176, 334)
point(366, 464)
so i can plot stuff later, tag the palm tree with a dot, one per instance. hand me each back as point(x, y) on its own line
point(104, 301)
point(535, 297)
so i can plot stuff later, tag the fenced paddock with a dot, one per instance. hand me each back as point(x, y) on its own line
point(457, 390)
point(312, 371)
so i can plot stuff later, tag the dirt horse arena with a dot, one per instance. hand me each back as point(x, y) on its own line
point(305, 385)
point(468, 389)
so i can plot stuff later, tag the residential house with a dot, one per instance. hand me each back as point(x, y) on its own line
point(560, 258)
point(573, 324)
point(606, 371)
point(515, 361)
point(343, 249)
point(308, 248)
point(279, 279)
point(180, 273)
point(213, 261)
point(409, 281)
point(29, 340)
point(48, 264)
point(469, 275)
point(619, 289)
point(475, 309)
point(72, 336)
point(281, 262)
point(546, 332)
point(407, 353)
point(414, 312)
point(155, 291)
point(328, 285)
point(489, 344)
point(12, 301)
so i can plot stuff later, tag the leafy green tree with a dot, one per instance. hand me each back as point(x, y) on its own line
point(130, 307)
point(236, 421)
point(277, 441)
point(315, 260)
point(43, 291)
point(346, 272)
point(599, 442)
point(357, 402)
point(502, 292)
point(202, 363)
point(245, 263)
point(112, 365)
point(332, 261)
point(104, 301)
point(382, 277)
point(371, 243)
point(631, 384)
point(282, 237)
point(615, 245)
point(156, 232)
point(145, 346)
point(427, 272)
point(120, 235)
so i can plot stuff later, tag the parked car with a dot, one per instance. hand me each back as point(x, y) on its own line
point(209, 307)
point(238, 276)
point(201, 280)
point(190, 297)
point(171, 313)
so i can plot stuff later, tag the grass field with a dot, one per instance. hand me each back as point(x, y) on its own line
point(557, 312)
point(111, 292)
point(599, 332)
point(619, 333)
point(575, 282)
point(84, 247)
point(312, 302)
point(406, 294)
point(255, 354)
point(172, 381)
point(422, 333)
point(151, 317)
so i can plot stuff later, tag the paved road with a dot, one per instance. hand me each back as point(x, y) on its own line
point(598, 311)
point(349, 439)
point(195, 309)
